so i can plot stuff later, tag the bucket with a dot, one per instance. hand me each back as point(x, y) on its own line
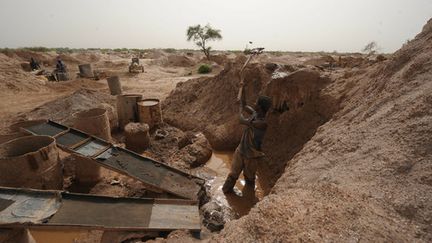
point(94, 121)
point(86, 71)
point(114, 85)
point(127, 109)
point(31, 162)
point(62, 76)
point(150, 112)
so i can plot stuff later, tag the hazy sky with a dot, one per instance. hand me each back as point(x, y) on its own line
point(292, 25)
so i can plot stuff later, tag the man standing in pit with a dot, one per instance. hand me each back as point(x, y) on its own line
point(248, 153)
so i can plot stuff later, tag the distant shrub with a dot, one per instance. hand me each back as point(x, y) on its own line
point(105, 50)
point(37, 49)
point(5, 50)
point(169, 50)
point(204, 69)
point(121, 50)
point(66, 50)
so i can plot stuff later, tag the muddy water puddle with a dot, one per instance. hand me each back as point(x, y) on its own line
point(243, 198)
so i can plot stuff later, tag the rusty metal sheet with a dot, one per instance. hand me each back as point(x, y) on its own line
point(105, 212)
point(151, 172)
point(49, 128)
point(91, 148)
point(71, 138)
point(27, 206)
point(95, 212)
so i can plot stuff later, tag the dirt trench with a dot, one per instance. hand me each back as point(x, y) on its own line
point(299, 108)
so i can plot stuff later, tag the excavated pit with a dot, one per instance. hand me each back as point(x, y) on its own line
point(300, 107)
point(301, 124)
point(301, 104)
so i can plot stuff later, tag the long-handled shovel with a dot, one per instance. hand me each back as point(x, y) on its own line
point(252, 52)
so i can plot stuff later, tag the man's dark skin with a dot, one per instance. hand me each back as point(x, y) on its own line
point(257, 124)
point(260, 113)
point(248, 154)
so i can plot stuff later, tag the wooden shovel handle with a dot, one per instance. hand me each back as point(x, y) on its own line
point(242, 77)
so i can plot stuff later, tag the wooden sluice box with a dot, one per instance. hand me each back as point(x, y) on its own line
point(155, 175)
point(56, 210)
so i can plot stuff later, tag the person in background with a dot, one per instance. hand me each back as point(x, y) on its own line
point(60, 66)
point(34, 64)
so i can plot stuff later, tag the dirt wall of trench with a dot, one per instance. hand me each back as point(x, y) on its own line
point(209, 105)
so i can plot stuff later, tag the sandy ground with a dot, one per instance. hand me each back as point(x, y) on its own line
point(156, 82)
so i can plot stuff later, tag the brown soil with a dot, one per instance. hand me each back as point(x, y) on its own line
point(363, 175)
point(209, 104)
point(351, 146)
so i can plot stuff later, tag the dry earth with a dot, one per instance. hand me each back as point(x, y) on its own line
point(365, 175)
point(352, 147)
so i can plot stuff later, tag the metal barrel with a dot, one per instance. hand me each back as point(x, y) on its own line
point(86, 70)
point(127, 109)
point(114, 85)
point(150, 112)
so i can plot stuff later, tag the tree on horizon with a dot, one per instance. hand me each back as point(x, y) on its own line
point(201, 35)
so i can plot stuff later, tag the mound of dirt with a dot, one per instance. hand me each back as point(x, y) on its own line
point(44, 58)
point(321, 61)
point(195, 154)
point(154, 54)
point(179, 61)
point(209, 104)
point(219, 59)
point(86, 57)
point(352, 62)
point(365, 174)
point(61, 110)
point(14, 79)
